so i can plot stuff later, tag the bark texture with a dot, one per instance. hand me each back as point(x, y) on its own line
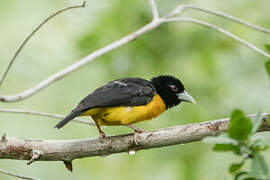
point(68, 150)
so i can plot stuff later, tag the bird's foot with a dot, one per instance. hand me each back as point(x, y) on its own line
point(102, 136)
point(136, 129)
point(136, 138)
point(137, 132)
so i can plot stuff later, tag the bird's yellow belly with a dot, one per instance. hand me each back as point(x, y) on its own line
point(127, 115)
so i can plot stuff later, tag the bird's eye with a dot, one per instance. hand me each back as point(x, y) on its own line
point(173, 88)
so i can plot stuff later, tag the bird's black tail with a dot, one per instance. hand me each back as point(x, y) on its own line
point(68, 118)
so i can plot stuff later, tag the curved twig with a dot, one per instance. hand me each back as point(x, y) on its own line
point(59, 75)
point(221, 30)
point(33, 32)
point(180, 8)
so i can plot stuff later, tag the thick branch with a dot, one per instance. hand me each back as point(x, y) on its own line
point(68, 150)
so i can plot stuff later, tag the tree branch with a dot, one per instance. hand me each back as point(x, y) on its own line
point(59, 75)
point(223, 31)
point(33, 33)
point(156, 22)
point(154, 9)
point(68, 150)
point(44, 114)
point(180, 8)
point(17, 175)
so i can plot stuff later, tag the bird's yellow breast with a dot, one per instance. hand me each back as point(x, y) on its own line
point(127, 115)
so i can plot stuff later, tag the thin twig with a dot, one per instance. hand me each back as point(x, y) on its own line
point(32, 34)
point(176, 11)
point(180, 8)
point(206, 24)
point(35, 155)
point(44, 114)
point(154, 9)
point(17, 175)
point(68, 150)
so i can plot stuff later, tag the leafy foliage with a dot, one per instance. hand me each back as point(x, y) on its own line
point(267, 66)
point(235, 167)
point(267, 47)
point(240, 126)
point(241, 140)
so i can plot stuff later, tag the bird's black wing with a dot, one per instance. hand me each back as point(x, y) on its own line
point(121, 92)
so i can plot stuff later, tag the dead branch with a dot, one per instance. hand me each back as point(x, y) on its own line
point(68, 150)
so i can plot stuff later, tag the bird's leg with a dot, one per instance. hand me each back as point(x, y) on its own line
point(101, 133)
point(137, 131)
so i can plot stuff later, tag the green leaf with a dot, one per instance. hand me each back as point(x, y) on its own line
point(258, 144)
point(267, 47)
point(257, 122)
point(240, 126)
point(249, 176)
point(259, 148)
point(238, 175)
point(227, 147)
point(258, 165)
point(267, 66)
point(268, 119)
point(235, 167)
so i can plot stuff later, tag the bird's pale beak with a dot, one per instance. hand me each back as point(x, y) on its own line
point(184, 96)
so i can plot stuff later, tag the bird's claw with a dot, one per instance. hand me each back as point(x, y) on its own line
point(102, 136)
point(136, 136)
point(139, 130)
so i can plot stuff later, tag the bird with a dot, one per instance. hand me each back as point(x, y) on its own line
point(127, 101)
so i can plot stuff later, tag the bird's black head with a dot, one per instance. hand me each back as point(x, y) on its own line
point(171, 90)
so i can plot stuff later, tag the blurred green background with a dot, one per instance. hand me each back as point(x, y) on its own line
point(218, 72)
